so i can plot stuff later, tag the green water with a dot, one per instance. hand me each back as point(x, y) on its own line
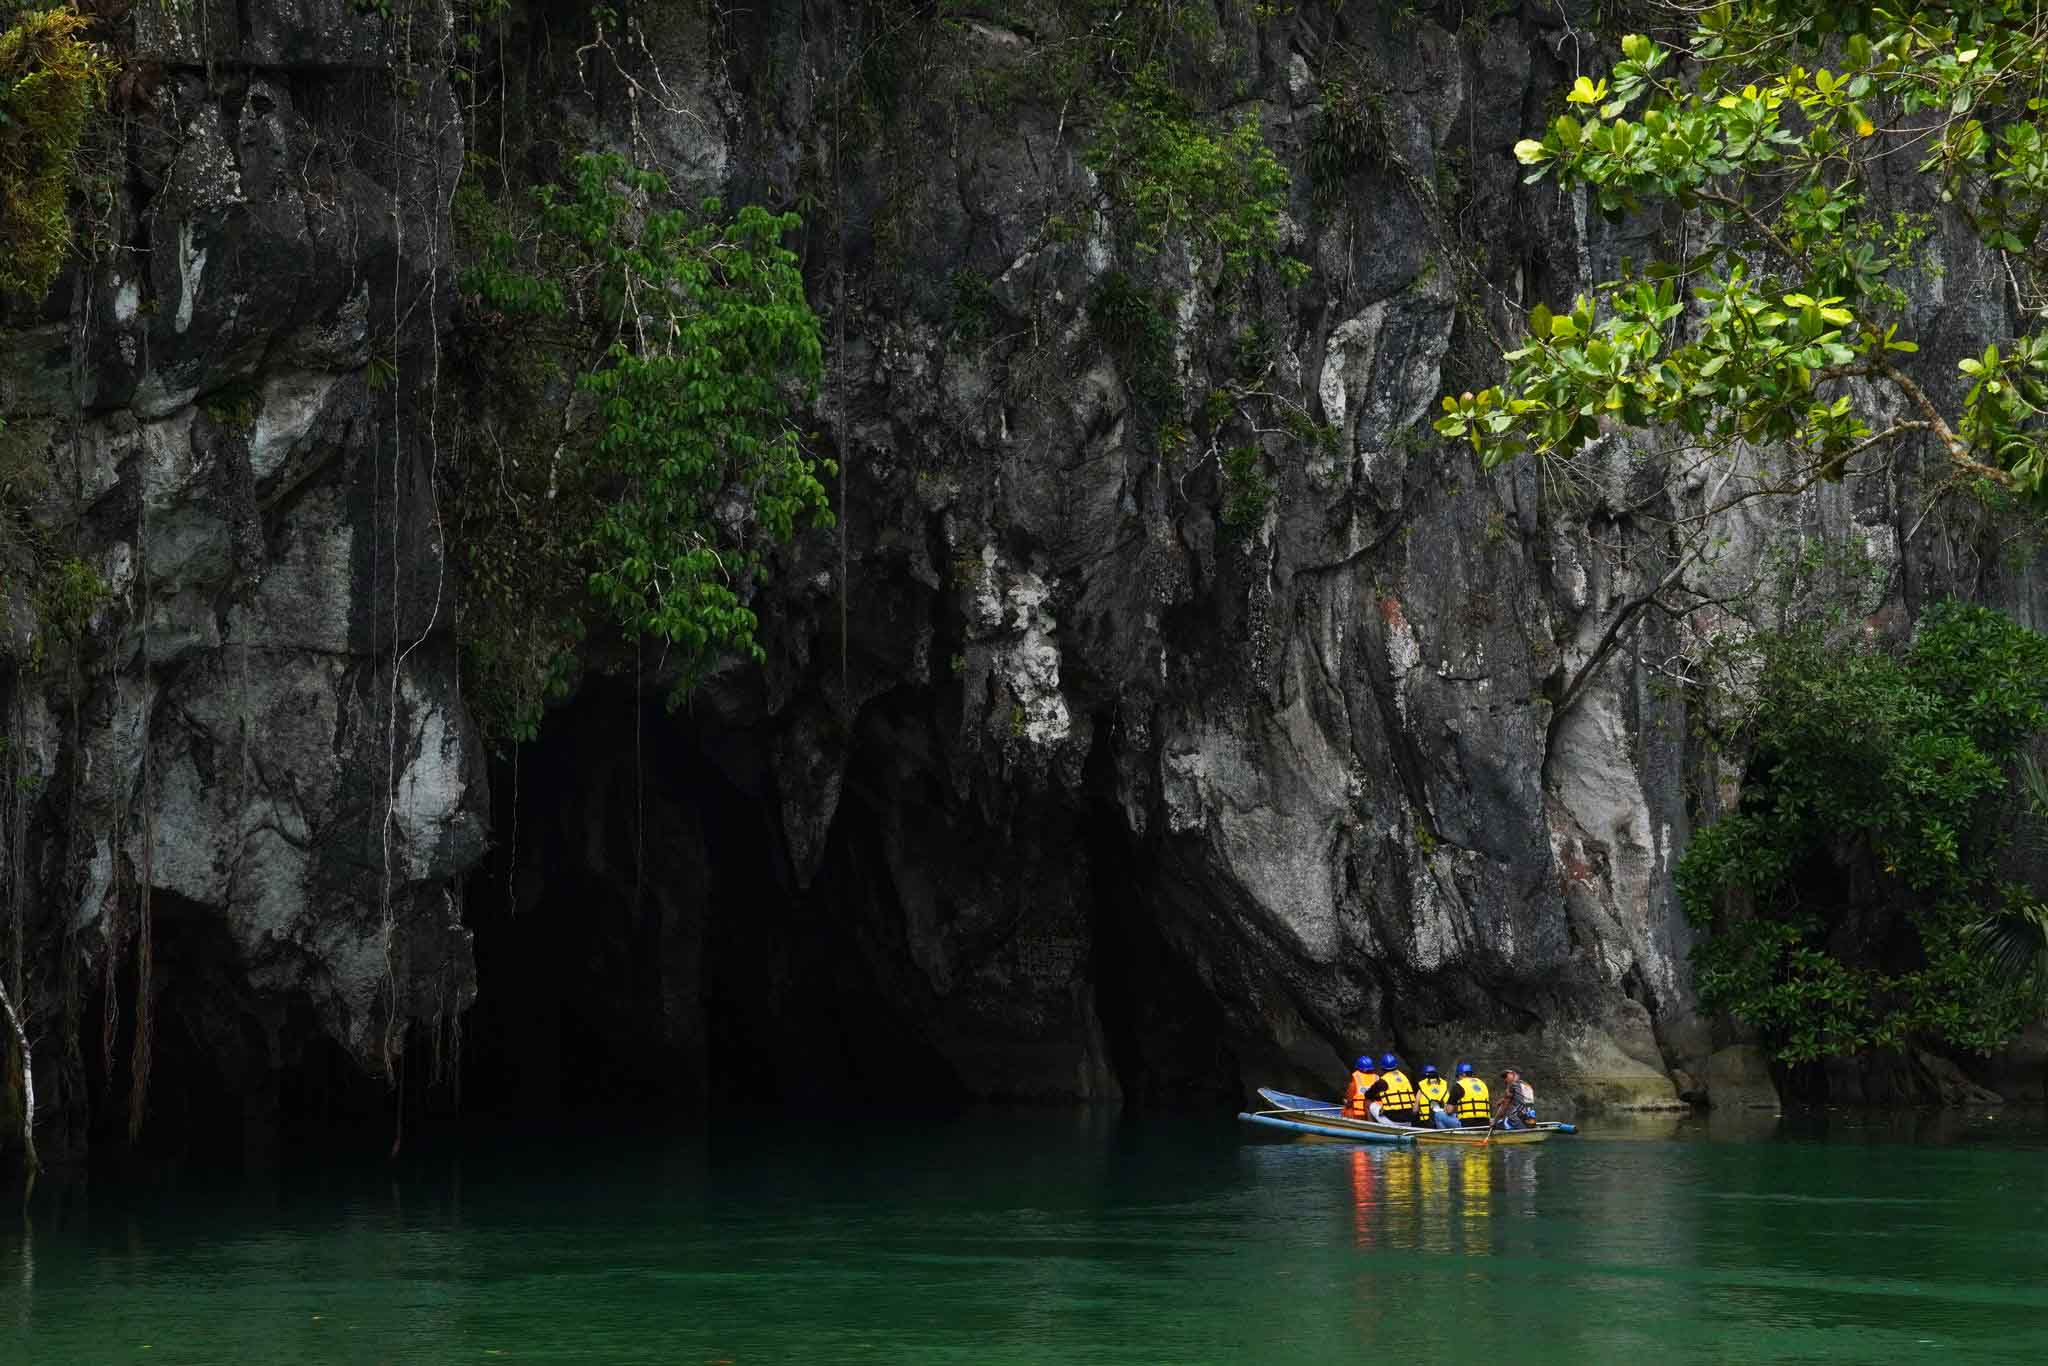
point(1068, 1237)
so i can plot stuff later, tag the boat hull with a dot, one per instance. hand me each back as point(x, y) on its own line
point(1306, 1125)
point(1327, 1119)
point(1479, 1138)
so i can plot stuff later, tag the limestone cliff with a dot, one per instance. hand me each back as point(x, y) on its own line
point(1098, 792)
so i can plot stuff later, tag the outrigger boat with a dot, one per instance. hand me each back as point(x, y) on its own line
point(1326, 1119)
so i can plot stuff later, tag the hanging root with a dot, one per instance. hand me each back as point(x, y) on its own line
point(110, 977)
point(30, 1161)
point(138, 1094)
point(145, 957)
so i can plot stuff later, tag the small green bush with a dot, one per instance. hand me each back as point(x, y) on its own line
point(51, 80)
point(1135, 324)
point(1178, 178)
point(1246, 490)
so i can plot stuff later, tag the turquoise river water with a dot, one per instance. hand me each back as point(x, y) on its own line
point(1069, 1237)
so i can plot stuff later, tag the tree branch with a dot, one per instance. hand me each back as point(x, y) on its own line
point(1611, 637)
point(1749, 216)
point(1958, 449)
point(1629, 611)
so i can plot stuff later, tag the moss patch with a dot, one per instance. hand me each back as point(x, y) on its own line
point(51, 80)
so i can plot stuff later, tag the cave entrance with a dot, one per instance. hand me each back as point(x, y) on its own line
point(643, 944)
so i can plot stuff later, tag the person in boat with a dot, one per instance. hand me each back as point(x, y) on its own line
point(1469, 1099)
point(1364, 1078)
point(1394, 1102)
point(1434, 1097)
point(1516, 1108)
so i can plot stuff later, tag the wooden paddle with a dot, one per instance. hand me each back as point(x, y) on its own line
point(1488, 1136)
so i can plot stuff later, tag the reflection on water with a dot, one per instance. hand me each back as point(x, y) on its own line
point(1435, 1199)
point(1066, 1237)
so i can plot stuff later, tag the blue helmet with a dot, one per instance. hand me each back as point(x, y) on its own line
point(1390, 1061)
point(1362, 1063)
point(1464, 1069)
point(1429, 1069)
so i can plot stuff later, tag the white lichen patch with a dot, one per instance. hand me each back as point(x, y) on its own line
point(1404, 653)
point(291, 403)
point(1347, 367)
point(431, 785)
point(1570, 572)
point(191, 269)
point(99, 876)
point(304, 599)
point(1436, 916)
point(1187, 312)
point(117, 567)
point(984, 588)
point(1009, 610)
point(1098, 249)
point(167, 460)
point(127, 302)
point(1031, 666)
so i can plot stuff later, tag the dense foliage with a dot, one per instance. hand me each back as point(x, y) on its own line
point(1848, 894)
point(1221, 191)
point(1773, 122)
point(51, 79)
point(681, 464)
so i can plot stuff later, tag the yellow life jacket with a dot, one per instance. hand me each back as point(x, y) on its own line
point(1434, 1091)
point(1354, 1099)
point(1400, 1093)
point(1473, 1102)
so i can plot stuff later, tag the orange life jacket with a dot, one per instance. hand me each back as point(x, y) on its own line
point(1354, 1099)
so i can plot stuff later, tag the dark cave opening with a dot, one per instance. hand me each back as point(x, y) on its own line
point(643, 944)
point(1166, 1039)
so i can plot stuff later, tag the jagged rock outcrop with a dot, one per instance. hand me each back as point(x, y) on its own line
point(1094, 794)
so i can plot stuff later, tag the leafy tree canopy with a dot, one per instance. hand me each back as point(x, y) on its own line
point(1850, 895)
point(1771, 120)
point(682, 462)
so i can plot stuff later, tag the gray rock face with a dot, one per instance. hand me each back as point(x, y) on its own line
point(260, 723)
point(1111, 798)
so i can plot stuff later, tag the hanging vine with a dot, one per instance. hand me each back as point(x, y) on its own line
point(145, 951)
